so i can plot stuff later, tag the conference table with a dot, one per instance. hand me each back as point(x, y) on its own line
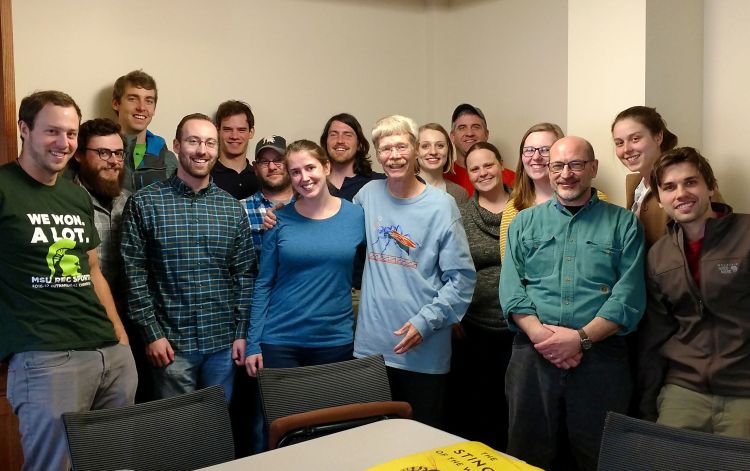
point(354, 449)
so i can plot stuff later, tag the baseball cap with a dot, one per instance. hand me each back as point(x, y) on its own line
point(466, 108)
point(276, 143)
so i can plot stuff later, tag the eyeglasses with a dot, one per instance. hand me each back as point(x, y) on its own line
point(106, 154)
point(267, 163)
point(195, 142)
point(573, 165)
point(530, 151)
point(400, 149)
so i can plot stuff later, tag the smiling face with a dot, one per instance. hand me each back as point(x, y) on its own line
point(102, 177)
point(136, 109)
point(270, 167)
point(397, 155)
point(341, 142)
point(433, 150)
point(468, 130)
point(308, 174)
point(573, 188)
point(635, 146)
point(485, 172)
point(197, 151)
point(536, 165)
point(234, 136)
point(48, 147)
point(684, 194)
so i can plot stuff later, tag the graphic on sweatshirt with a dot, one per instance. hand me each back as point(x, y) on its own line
point(394, 237)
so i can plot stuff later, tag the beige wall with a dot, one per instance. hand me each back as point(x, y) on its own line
point(726, 98)
point(507, 57)
point(297, 62)
point(606, 74)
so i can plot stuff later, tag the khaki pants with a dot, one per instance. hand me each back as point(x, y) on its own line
point(722, 415)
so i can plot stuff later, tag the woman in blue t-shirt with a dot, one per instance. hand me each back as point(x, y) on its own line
point(302, 310)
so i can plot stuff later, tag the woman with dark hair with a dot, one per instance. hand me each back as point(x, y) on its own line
point(302, 310)
point(482, 342)
point(435, 157)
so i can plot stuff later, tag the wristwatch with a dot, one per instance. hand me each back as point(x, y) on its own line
point(586, 342)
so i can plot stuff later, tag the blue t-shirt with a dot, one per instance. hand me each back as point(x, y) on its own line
point(419, 270)
point(302, 296)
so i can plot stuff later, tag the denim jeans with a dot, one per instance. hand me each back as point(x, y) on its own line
point(192, 371)
point(43, 385)
point(280, 356)
point(539, 393)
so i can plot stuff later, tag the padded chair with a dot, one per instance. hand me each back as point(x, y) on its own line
point(174, 434)
point(629, 444)
point(311, 401)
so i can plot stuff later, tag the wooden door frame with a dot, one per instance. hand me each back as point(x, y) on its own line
point(8, 138)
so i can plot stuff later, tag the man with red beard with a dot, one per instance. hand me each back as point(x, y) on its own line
point(99, 168)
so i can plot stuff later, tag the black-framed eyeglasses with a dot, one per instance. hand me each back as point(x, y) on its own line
point(267, 163)
point(529, 151)
point(106, 154)
point(573, 165)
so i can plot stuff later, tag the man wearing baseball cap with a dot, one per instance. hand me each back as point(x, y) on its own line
point(469, 126)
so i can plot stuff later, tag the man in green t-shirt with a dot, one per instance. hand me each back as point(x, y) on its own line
point(147, 158)
point(66, 348)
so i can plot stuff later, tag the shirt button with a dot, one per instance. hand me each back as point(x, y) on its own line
point(604, 289)
point(569, 259)
point(567, 301)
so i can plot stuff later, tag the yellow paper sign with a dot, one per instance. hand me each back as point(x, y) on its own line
point(466, 456)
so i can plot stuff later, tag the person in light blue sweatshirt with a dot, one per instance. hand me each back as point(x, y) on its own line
point(302, 310)
point(419, 276)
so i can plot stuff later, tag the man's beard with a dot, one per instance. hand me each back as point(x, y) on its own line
point(100, 186)
point(267, 185)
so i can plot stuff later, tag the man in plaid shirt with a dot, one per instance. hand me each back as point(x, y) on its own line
point(190, 264)
point(275, 185)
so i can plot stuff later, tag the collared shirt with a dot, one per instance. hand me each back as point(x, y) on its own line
point(351, 185)
point(190, 263)
point(240, 185)
point(256, 206)
point(567, 269)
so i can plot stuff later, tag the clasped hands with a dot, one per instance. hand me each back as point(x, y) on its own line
point(560, 346)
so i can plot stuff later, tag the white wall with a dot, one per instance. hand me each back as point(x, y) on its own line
point(726, 98)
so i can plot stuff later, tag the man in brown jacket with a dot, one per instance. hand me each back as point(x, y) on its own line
point(696, 372)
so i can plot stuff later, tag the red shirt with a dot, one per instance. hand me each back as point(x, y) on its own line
point(461, 177)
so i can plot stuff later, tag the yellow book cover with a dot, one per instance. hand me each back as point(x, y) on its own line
point(466, 456)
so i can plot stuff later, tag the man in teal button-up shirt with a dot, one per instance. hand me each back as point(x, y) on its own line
point(572, 284)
